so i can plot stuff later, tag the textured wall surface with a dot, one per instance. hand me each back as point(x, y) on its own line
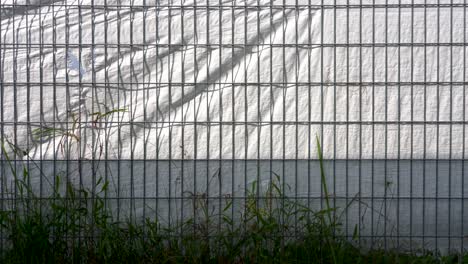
point(229, 85)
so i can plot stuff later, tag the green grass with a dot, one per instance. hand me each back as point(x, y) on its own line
point(76, 226)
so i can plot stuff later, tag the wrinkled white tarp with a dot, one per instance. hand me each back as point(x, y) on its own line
point(153, 63)
point(223, 82)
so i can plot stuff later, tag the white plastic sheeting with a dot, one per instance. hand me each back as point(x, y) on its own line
point(247, 80)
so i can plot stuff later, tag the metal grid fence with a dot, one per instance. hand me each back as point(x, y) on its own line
point(162, 98)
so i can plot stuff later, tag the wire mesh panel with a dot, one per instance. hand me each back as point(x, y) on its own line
point(168, 100)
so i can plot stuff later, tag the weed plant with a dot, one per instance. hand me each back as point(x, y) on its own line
point(75, 226)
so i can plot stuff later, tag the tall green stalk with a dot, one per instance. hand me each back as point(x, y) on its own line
point(327, 199)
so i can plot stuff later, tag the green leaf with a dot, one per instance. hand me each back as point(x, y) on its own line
point(355, 232)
